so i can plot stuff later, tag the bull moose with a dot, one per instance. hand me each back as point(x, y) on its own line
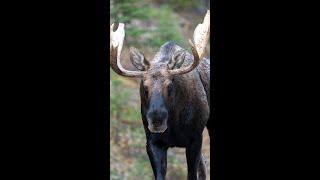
point(175, 97)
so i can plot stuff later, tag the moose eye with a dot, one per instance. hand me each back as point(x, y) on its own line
point(145, 90)
point(170, 89)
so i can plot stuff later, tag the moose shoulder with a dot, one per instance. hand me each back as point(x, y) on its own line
point(175, 97)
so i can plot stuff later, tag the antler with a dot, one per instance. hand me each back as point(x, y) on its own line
point(116, 43)
point(200, 40)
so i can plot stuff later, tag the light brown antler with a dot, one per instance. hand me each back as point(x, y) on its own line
point(116, 43)
point(200, 40)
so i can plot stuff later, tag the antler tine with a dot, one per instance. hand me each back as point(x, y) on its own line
point(200, 40)
point(116, 43)
point(201, 35)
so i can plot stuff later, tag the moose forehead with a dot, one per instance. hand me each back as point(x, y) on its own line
point(156, 78)
point(156, 75)
point(165, 53)
point(159, 64)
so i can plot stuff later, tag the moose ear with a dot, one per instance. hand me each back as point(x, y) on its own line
point(138, 59)
point(177, 60)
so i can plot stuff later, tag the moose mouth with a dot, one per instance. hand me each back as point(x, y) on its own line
point(157, 129)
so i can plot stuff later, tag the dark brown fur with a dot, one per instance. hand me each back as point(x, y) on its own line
point(187, 105)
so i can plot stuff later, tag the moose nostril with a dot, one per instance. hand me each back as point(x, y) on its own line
point(157, 123)
point(157, 116)
point(162, 115)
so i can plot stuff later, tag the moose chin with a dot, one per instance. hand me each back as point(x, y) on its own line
point(157, 126)
point(175, 97)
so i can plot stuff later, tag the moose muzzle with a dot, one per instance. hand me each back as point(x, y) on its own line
point(157, 115)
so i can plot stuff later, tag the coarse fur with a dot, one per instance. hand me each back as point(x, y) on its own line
point(183, 102)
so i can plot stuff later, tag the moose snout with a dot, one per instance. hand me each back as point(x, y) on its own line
point(157, 117)
point(157, 120)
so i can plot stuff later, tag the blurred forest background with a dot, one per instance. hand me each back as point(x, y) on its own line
point(149, 24)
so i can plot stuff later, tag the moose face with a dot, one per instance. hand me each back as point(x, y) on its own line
point(157, 87)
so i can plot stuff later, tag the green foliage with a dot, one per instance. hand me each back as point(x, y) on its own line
point(126, 10)
point(117, 101)
point(184, 4)
point(166, 26)
point(119, 107)
point(141, 165)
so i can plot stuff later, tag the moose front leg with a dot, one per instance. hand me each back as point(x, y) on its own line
point(158, 159)
point(193, 153)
